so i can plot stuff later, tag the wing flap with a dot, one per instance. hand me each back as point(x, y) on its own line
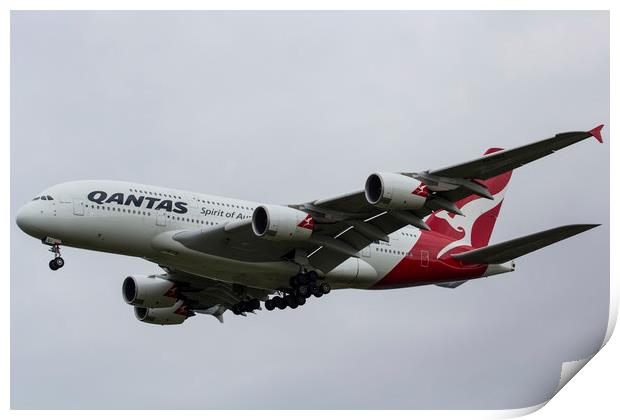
point(509, 250)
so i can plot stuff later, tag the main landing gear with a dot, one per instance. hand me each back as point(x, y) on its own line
point(57, 262)
point(245, 306)
point(303, 286)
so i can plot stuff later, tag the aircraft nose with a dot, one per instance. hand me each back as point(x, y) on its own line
point(26, 219)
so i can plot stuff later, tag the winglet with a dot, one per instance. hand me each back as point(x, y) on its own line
point(596, 133)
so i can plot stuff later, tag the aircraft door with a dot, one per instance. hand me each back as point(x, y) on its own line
point(160, 218)
point(78, 207)
point(424, 258)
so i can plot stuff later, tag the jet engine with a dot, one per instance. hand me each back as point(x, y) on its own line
point(281, 223)
point(149, 292)
point(395, 192)
point(164, 316)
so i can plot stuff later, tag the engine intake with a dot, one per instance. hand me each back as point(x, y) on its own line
point(395, 192)
point(149, 292)
point(164, 316)
point(281, 223)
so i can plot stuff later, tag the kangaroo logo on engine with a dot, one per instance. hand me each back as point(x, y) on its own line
point(101, 197)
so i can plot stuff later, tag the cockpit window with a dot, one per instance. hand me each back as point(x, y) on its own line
point(43, 197)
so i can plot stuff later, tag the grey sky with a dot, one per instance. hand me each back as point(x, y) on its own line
point(288, 107)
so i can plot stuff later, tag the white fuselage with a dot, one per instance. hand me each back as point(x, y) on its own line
point(119, 221)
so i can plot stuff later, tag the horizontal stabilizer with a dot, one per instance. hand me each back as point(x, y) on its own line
point(509, 250)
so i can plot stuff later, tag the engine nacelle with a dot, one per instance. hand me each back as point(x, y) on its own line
point(281, 223)
point(395, 191)
point(149, 292)
point(164, 316)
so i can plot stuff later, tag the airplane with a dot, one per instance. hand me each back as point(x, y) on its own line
point(217, 254)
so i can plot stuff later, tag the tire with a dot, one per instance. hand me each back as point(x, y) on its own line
point(303, 290)
point(290, 300)
point(235, 309)
point(325, 288)
point(312, 276)
point(53, 265)
point(269, 305)
point(314, 288)
point(318, 294)
point(302, 278)
point(60, 263)
point(301, 300)
point(279, 302)
point(255, 304)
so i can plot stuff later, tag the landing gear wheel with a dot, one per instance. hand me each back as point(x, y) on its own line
point(60, 263)
point(291, 301)
point(236, 310)
point(302, 278)
point(303, 290)
point(57, 262)
point(270, 305)
point(279, 302)
point(325, 288)
point(252, 305)
point(301, 300)
point(318, 293)
point(314, 288)
point(312, 276)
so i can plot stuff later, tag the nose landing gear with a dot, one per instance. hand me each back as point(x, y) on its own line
point(57, 262)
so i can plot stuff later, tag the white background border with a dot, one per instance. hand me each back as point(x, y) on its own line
point(594, 393)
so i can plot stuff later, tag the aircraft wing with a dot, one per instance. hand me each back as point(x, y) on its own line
point(210, 296)
point(346, 224)
point(514, 248)
point(360, 223)
point(503, 161)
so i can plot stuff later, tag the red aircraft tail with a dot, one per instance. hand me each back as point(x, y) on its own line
point(479, 213)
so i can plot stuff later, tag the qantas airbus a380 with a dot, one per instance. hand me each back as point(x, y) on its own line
point(402, 230)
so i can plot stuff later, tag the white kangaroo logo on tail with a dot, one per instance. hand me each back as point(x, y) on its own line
point(464, 224)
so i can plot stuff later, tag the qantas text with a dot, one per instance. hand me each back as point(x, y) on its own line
point(101, 197)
